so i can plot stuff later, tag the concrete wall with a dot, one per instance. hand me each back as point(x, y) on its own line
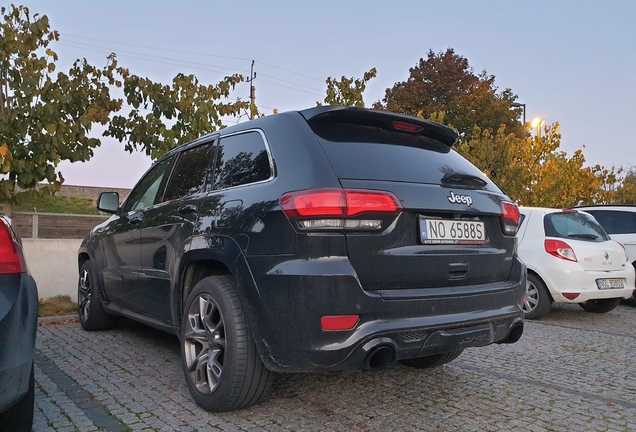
point(53, 265)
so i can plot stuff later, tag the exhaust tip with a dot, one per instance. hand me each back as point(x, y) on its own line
point(515, 333)
point(378, 358)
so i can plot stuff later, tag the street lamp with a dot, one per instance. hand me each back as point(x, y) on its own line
point(537, 123)
point(520, 105)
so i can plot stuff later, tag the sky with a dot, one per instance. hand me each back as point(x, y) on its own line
point(568, 61)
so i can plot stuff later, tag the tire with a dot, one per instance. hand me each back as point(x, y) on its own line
point(432, 361)
point(537, 302)
point(92, 315)
point(600, 305)
point(222, 367)
point(19, 418)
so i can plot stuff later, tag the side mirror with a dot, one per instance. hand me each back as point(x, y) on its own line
point(108, 202)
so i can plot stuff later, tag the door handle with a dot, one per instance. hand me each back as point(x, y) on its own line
point(188, 208)
point(136, 218)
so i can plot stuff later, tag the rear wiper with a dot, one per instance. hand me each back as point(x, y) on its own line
point(464, 180)
point(584, 236)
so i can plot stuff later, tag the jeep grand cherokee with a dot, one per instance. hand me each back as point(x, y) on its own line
point(323, 240)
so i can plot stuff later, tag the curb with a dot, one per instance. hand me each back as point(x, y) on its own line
point(62, 319)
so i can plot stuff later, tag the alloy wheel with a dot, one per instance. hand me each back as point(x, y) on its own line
point(204, 344)
point(84, 294)
point(531, 299)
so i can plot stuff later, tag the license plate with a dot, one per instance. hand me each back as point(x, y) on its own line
point(609, 283)
point(452, 231)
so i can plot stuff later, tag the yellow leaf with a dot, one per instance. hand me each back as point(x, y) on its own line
point(4, 150)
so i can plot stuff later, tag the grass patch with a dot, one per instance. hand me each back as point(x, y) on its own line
point(57, 306)
point(58, 204)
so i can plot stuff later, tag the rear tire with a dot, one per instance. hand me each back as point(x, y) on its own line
point(19, 418)
point(92, 315)
point(431, 361)
point(537, 302)
point(600, 305)
point(222, 367)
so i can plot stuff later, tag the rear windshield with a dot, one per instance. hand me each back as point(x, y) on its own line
point(368, 153)
point(574, 226)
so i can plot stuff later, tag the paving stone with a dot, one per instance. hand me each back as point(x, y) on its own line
point(571, 371)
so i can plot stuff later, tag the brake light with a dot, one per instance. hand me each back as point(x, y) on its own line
point(407, 126)
point(571, 296)
point(11, 260)
point(560, 249)
point(335, 208)
point(510, 218)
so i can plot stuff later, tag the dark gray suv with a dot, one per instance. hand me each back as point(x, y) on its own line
point(324, 240)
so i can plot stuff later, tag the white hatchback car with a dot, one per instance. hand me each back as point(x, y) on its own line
point(571, 259)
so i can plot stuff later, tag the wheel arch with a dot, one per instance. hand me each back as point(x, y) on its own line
point(197, 265)
point(82, 257)
point(536, 274)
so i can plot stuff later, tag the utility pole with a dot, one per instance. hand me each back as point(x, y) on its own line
point(250, 80)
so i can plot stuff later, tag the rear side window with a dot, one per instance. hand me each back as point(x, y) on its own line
point(573, 226)
point(616, 222)
point(190, 172)
point(241, 159)
point(368, 152)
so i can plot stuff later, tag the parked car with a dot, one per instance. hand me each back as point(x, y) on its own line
point(619, 221)
point(571, 259)
point(18, 326)
point(323, 240)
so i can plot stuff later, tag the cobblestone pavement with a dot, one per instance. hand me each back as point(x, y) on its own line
point(571, 371)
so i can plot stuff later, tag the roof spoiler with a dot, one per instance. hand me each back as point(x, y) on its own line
point(386, 119)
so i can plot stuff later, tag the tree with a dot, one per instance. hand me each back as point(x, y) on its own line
point(445, 82)
point(533, 172)
point(625, 192)
point(347, 91)
point(44, 118)
point(176, 114)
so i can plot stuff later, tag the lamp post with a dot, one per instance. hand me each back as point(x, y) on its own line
point(537, 123)
point(520, 105)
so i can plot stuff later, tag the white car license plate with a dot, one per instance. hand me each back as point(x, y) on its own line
point(609, 283)
point(452, 231)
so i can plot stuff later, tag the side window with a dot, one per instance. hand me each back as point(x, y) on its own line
point(147, 191)
point(241, 159)
point(616, 222)
point(190, 172)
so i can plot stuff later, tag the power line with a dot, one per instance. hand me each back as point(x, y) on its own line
point(197, 65)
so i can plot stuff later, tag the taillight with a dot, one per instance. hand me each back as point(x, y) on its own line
point(339, 208)
point(560, 249)
point(11, 260)
point(510, 218)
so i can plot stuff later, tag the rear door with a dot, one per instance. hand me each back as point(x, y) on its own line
point(167, 227)
point(449, 232)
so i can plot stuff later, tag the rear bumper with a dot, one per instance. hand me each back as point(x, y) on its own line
point(571, 278)
point(18, 326)
point(293, 296)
